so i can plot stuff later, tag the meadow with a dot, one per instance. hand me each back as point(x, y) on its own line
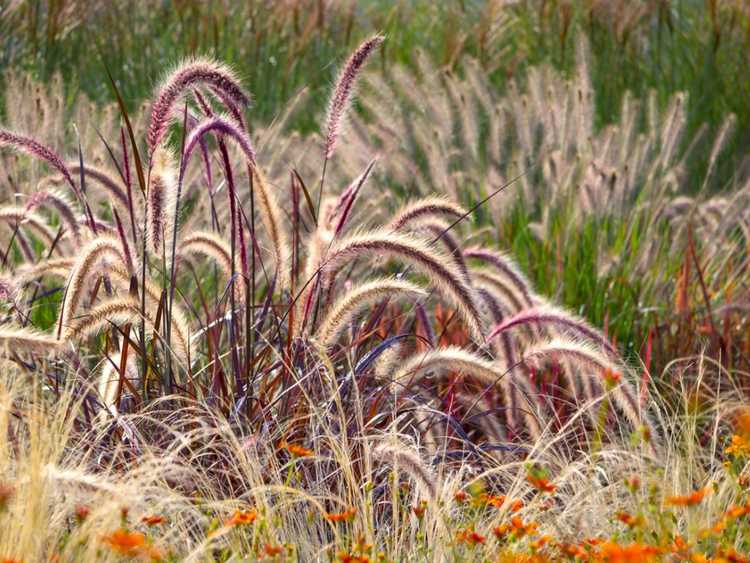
point(374, 281)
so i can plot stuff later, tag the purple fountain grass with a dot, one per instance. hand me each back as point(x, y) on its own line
point(341, 101)
point(104, 179)
point(435, 266)
point(39, 151)
point(426, 208)
point(80, 274)
point(586, 356)
point(349, 196)
point(59, 203)
point(342, 93)
point(188, 75)
point(505, 266)
point(554, 316)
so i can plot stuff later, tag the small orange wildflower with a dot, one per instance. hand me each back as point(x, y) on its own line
point(636, 552)
point(629, 520)
point(345, 516)
point(679, 544)
point(82, 512)
point(297, 450)
point(273, 550)
point(242, 518)
point(516, 505)
point(501, 531)
point(633, 482)
point(740, 446)
point(6, 493)
point(612, 377)
point(470, 537)
point(573, 550)
point(731, 555)
point(461, 496)
point(362, 546)
point(345, 557)
point(420, 509)
point(131, 544)
point(593, 541)
point(521, 529)
point(153, 520)
point(688, 500)
point(486, 499)
point(541, 542)
point(541, 484)
point(742, 422)
point(735, 511)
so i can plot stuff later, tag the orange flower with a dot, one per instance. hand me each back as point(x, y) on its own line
point(132, 544)
point(124, 542)
point(735, 511)
point(732, 555)
point(470, 537)
point(612, 377)
point(242, 518)
point(541, 484)
point(345, 516)
point(516, 505)
point(629, 519)
point(420, 509)
point(501, 531)
point(351, 558)
point(633, 482)
point(297, 450)
point(740, 446)
point(153, 520)
point(742, 422)
point(689, 500)
point(461, 496)
point(362, 546)
point(6, 493)
point(573, 550)
point(635, 552)
point(521, 529)
point(82, 512)
point(486, 499)
point(273, 550)
point(679, 544)
point(541, 542)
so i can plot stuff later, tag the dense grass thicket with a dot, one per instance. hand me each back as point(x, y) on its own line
point(472, 289)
